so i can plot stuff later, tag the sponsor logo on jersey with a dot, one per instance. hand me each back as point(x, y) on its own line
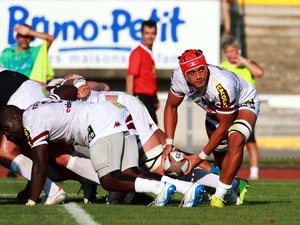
point(249, 104)
point(27, 134)
point(69, 105)
point(46, 93)
point(223, 95)
point(91, 133)
point(117, 104)
point(35, 106)
point(117, 124)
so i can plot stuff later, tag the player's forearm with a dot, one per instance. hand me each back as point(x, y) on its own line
point(170, 121)
point(98, 86)
point(216, 138)
point(38, 178)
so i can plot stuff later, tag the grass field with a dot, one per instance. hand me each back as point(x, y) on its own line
point(267, 202)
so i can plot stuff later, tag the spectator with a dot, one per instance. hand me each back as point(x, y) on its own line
point(225, 18)
point(31, 61)
point(248, 70)
point(233, 22)
point(141, 74)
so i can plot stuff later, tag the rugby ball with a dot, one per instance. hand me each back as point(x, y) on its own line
point(175, 164)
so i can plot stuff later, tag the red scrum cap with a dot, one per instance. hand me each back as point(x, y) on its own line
point(191, 59)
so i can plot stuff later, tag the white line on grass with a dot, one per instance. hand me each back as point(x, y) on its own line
point(4, 195)
point(79, 214)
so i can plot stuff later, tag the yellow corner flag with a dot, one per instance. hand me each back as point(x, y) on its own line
point(42, 70)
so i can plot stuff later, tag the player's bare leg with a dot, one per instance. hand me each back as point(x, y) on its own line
point(11, 157)
point(8, 151)
point(253, 159)
point(232, 159)
point(60, 154)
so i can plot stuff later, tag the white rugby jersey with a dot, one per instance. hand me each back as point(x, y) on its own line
point(224, 93)
point(79, 123)
point(27, 94)
point(142, 120)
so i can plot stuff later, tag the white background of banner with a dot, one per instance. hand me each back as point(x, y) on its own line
point(201, 30)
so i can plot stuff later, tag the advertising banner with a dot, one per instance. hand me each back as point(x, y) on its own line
point(101, 34)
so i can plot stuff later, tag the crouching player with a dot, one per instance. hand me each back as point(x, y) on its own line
point(100, 127)
point(17, 89)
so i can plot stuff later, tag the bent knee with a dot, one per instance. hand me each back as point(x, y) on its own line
point(131, 171)
point(236, 141)
point(108, 181)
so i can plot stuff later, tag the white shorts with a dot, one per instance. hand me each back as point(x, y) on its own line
point(251, 106)
point(114, 152)
point(27, 94)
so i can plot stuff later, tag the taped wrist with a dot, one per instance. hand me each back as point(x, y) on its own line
point(78, 82)
point(169, 141)
point(202, 155)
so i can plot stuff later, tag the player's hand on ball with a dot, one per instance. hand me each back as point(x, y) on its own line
point(159, 171)
point(194, 161)
point(166, 152)
point(83, 91)
point(175, 164)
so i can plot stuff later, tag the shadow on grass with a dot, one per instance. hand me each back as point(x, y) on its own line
point(265, 202)
point(11, 201)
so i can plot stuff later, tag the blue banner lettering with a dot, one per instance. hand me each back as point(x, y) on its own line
point(89, 30)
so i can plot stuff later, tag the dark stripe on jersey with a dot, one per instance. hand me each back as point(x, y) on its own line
point(10, 81)
point(54, 97)
point(45, 133)
point(130, 126)
point(128, 119)
point(225, 110)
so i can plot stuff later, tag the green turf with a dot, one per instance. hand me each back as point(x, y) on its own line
point(267, 202)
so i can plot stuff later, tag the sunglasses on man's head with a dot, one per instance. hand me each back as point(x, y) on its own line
point(24, 36)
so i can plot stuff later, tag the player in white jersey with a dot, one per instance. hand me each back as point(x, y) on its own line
point(100, 127)
point(17, 89)
point(232, 108)
point(152, 139)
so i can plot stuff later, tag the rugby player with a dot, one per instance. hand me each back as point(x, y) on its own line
point(100, 127)
point(232, 107)
point(17, 89)
point(152, 141)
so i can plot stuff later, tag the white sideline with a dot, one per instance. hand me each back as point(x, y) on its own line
point(79, 214)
